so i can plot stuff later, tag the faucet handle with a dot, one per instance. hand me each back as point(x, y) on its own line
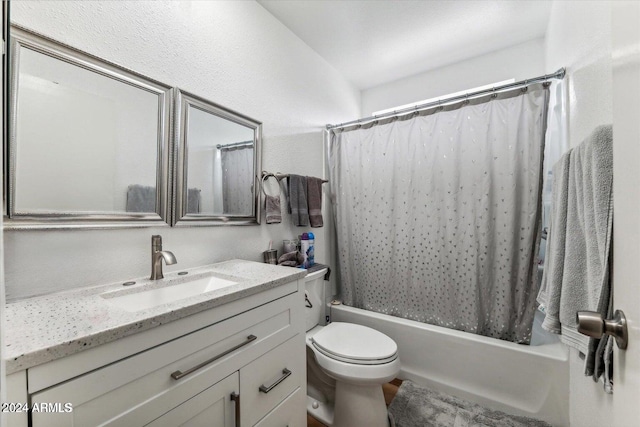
point(156, 242)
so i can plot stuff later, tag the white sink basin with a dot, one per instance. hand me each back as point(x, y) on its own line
point(144, 299)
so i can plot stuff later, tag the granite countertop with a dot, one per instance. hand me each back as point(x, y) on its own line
point(40, 329)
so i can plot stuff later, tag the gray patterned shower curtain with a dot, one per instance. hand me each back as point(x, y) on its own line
point(237, 180)
point(438, 214)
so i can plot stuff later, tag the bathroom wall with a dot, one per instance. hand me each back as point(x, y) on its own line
point(579, 38)
point(520, 62)
point(233, 53)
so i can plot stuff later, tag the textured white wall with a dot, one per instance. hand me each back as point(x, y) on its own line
point(579, 38)
point(233, 53)
point(520, 62)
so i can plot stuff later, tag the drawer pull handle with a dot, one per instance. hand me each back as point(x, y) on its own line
point(235, 397)
point(285, 373)
point(179, 374)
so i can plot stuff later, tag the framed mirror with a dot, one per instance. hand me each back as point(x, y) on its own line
point(218, 154)
point(89, 140)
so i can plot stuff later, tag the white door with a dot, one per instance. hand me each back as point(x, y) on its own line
point(626, 190)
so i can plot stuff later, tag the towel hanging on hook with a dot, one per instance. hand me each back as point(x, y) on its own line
point(308, 200)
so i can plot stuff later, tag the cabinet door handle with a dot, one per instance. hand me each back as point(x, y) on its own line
point(285, 373)
point(236, 398)
point(179, 374)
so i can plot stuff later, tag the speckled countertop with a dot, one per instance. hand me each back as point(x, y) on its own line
point(45, 328)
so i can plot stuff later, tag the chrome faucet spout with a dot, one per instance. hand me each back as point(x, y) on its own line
point(168, 257)
point(157, 255)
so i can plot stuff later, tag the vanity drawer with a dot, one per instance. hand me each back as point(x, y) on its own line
point(139, 389)
point(267, 381)
point(290, 413)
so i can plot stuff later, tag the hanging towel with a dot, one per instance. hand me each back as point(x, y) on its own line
point(608, 365)
point(141, 198)
point(298, 200)
point(193, 200)
point(272, 206)
point(314, 201)
point(549, 294)
point(599, 362)
point(578, 279)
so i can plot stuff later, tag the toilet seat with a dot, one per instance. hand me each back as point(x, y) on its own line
point(355, 344)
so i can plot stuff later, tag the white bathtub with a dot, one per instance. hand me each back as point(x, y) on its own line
point(524, 380)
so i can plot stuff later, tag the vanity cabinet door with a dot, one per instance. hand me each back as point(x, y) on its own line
point(268, 380)
point(211, 408)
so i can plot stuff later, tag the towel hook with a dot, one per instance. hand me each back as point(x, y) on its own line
point(266, 176)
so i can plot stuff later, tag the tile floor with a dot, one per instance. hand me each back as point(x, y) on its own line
point(389, 389)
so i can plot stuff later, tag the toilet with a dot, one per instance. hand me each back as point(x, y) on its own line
point(346, 365)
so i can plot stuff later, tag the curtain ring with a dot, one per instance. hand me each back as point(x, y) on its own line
point(266, 176)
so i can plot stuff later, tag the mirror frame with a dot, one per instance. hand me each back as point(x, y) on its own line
point(24, 38)
point(183, 101)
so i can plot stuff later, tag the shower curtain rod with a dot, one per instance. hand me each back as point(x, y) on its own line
point(233, 144)
point(523, 83)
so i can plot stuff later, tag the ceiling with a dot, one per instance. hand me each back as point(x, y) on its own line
point(372, 42)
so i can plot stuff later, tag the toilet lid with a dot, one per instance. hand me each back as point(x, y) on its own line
point(353, 343)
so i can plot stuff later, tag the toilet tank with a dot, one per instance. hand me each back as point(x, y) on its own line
point(315, 291)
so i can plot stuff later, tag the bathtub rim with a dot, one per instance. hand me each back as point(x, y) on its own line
point(551, 350)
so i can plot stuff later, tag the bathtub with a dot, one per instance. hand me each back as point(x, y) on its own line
point(532, 380)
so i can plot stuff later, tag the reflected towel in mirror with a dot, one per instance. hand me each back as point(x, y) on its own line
point(193, 200)
point(141, 198)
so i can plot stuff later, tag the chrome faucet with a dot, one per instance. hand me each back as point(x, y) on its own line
point(157, 255)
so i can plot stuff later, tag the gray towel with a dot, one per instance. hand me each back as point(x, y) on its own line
point(141, 198)
point(578, 279)
point(193, 200)
point(272, 207)
point(599, 362)
point(314, 201)
point(549, 294)
point(298, 200)
point(416, 406)
point(291, 259)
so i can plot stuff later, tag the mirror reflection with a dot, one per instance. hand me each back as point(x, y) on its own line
point(217, 162)
point(87, 139)
point(220, 165)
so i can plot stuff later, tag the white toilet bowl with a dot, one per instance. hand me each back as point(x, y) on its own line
point(360, 359)
point(346, 365)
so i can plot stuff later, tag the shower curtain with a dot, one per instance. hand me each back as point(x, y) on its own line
point(237, 180)
point(438, 213)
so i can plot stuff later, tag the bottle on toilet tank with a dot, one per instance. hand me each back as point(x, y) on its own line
point(310, 252)
point(304, 249)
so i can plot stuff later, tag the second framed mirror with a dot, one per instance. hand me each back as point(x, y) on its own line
point(218, 156)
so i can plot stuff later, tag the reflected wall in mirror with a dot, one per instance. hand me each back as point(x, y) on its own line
point(89, 139)
point(218, 156)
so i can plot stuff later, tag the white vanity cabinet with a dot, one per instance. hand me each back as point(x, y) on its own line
point(246, 369)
